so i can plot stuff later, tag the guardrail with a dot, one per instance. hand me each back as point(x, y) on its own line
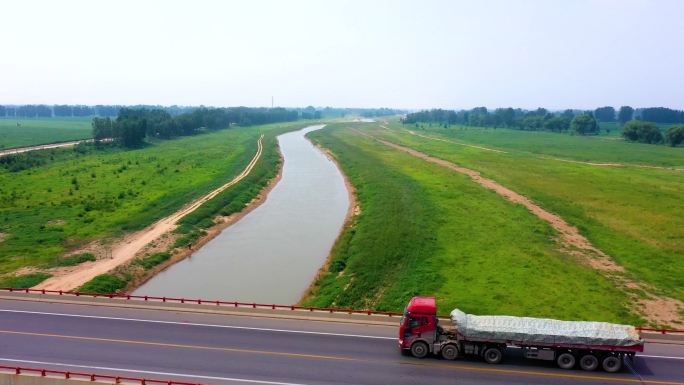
point(67, 375)
point(255, 305)
point(237, 304)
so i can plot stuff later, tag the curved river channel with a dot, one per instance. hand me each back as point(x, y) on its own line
point(273, 253)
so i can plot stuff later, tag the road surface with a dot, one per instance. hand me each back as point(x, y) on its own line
point(223, 349)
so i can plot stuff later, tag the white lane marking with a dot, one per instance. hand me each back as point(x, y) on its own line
point(197, 324)
point(667, 357)
point(155, 373)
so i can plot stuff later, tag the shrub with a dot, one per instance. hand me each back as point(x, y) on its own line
point(153, 260)
point(644, 132)
point(73, 260)
point(104, 284)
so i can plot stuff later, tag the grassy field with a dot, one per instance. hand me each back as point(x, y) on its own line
point(580, 148)
point(79, 196)
point(633, 213)
point(425, 230)
point(33, 131)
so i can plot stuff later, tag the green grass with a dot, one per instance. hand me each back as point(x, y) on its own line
point(34, 131)
point(24, 281)
point(152, 260)
point(635, 214)
point(80, 195)
point(73, 260)
point(561, 145)
point(426, 230)
point(104, 284)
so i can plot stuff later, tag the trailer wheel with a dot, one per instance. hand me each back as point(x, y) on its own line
point(612, 364)
point(449, 352)
point(493, 355)
point(589, 362)
point(419, 349)
point(566, 361)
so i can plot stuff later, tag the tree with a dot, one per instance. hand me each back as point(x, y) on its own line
point(625, 114)
point(570, 114)
point(584, 124)
point(605, 114)
point(102, 128)
point(675, 135)
point(644, 132)
point(557, 124)
point(662, 115)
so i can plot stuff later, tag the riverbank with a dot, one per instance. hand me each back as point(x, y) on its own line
point(426, 230)
point(130, 246)
point(142, 275)
point(273, 253)
point(349, 221)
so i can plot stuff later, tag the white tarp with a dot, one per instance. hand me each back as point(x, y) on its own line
point(539, 330)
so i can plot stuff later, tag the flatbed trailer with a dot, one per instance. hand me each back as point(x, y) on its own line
point(420, 335)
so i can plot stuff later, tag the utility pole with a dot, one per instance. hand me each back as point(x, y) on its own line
point(271, 101)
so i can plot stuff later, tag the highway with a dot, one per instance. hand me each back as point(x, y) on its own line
point(232, 349)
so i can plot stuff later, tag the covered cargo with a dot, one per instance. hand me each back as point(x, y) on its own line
point(526, 330)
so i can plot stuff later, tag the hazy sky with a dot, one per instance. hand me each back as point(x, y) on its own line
point(409, 54)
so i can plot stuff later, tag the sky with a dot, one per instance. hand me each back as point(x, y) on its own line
point(403, 54)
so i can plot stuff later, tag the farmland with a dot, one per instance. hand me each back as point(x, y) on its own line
point(90, 193)
point(425, 230)
point(22, 132)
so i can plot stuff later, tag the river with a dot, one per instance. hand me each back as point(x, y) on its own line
point(273, 253)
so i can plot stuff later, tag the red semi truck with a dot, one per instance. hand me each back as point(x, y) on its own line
point(589, 345)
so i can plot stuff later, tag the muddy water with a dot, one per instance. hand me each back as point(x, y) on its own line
point(273, 253)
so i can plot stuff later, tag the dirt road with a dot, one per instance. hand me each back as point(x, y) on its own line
point(126, 249)
point(45, 146)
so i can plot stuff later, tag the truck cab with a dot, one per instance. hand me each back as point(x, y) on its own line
point(419, 327)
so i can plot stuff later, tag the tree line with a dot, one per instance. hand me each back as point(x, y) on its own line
point(133, 125)
point(540, 119)
point(65, 110)
point(635, 128)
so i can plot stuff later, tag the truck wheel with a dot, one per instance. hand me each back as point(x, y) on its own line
point(449, 352)
point(493, 355)
point(566, 361)
point(612, 364)
point(419, 349)
point(589, 362)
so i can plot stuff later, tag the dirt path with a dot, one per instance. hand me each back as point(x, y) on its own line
point(609, 164)
point(127, 248)
point(19, 150)
point(456, 143)
point(657, 309)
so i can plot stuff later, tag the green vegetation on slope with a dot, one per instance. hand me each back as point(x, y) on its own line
point(426, 230)
point(104, 283)
point(634, 214)
point(34, 131)
point(150, 261)
point(192, 226)
point(24, 281)
point(78, 197)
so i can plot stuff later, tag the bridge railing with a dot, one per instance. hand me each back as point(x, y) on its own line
point(256, 305)
point(68, 375)
point(237, 304)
